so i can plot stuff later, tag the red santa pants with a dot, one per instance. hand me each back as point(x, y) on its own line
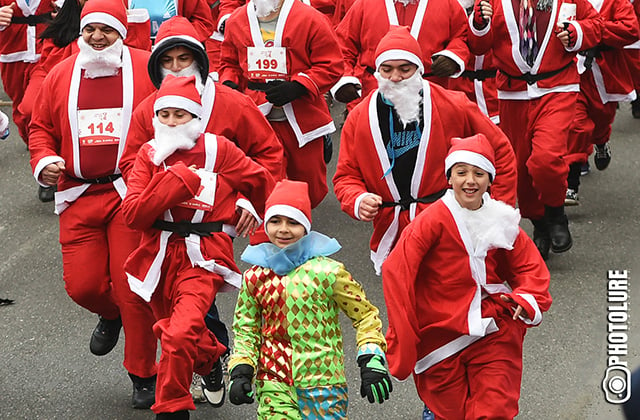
point(480, 382)
point(15, 77)
point(538, 130)
point(304, 163)
point(592, 122)
point(95, 244)
point(180, 304)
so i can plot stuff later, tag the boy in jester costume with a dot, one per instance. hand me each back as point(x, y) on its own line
point(286, 322)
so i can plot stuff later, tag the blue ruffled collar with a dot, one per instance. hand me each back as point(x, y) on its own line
point(283, 260)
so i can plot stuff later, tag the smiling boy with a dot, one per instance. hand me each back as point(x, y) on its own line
point(461, 287)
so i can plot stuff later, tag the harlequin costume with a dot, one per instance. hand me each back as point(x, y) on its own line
point(184, 258)
point(448, 326)
point(286, 322)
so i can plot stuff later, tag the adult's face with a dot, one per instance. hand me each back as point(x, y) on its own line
point(99, 36)
point(177, 58)
point(397, 70)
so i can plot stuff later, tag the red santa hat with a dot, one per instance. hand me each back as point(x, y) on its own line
point(475, 150)
point(176, 32)
point(108, 12)
point(399, 44)
point(290, 199)
point(179, 92)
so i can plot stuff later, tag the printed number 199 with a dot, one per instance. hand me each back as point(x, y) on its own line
point(266, 64)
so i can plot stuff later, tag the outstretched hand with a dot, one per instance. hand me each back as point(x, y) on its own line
point(519, 309)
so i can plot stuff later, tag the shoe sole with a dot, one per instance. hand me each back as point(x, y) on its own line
point(570, 203)
point(213, 396)
point(561, 250)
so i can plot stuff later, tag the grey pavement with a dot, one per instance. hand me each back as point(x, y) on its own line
point(47, 371)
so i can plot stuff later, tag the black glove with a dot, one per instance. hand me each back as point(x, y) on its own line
point(376, 383)
point(240, 390)
point(280, 92)
point(347, 93)
point(443, 66)
point(230, 84)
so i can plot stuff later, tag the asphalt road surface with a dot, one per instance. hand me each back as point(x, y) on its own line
point(47, 371)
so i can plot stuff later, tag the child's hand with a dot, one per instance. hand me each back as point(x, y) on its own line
point(376, 383)
point(240, 390)
point(247, 224)
point(369, 207)
point(519, 309)
point(566, 35)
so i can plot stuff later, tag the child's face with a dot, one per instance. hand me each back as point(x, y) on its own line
point(174, 116)
point(469, 183)
point(283, 231)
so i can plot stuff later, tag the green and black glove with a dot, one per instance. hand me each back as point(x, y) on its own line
point(240, 389)
point(376, 383)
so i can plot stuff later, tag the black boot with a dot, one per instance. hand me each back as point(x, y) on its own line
point(635, 108)
point(178, 415)
point(144, 391)
point(46, 194)
point(105, 336)
point(541, 237)
point(558, 229)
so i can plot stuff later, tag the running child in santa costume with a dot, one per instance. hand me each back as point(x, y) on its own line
point(285, 56)
point(461, 287)
point(182, 190)
point(286, 324)
point(76, 139)
point(605, 80)
point(534, 44)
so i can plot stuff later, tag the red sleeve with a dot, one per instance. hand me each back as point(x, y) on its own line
point(591, 24)
point(227, 7)
point(622, 29)
point(151, 190)
point(230, 69)
point(198, 13)
point(348, 32)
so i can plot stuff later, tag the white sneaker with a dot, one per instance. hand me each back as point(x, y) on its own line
point(196, 389)
point(571, 198)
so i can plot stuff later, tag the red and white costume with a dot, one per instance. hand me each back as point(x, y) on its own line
point(447, 323)
point(438, 25)
point(536, 116)
point(608, 82)
point(478, 82)
point(181, 275)
point(19, 51)
point(633, 53)
point(95, 240)
point(363, 160)
point(197, 11)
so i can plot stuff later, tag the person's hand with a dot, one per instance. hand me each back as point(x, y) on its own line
point(51, 173)
point(240, 389)
point(376, 383)
point(369, 207)
point(247, 224)
point(281, 92)
point(566, 35)
point(443, 66)
point(482, 12)
point(347, 93)
point(230, 84)
point(6, 13)
point(519, 309)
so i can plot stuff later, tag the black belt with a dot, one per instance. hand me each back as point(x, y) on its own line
point(592, 53)
point(102, 180)
point(533, 78)
point(406, 202)
point(185, 229)
point(32, 20)
point(479, 74)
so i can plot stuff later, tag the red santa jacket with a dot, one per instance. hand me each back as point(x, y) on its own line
point(313, 59)
point(441, 291)
point(19, 41)
point(157, 192)
point(363, 160)
point(610, 72)
point(51, 137)
point(478, 82)
point(502, 34)
point(198, 12)
point(439, 26)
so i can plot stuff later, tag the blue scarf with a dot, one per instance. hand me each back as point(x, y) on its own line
point(283, 260)
point(400, 142)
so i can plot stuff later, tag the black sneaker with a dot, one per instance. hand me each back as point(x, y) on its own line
point(635, 108)
point(105, 336)
point(571, 198)
point(213, 385)
point(602, 158)
point(46, 194)
point(144, 392)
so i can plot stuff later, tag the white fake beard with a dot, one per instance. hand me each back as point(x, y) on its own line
point(192, 70)
point(405, 96)
point(101, 63)
point(466, 4)
point(405, 2)
point(266, 7)
point(169, 139)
